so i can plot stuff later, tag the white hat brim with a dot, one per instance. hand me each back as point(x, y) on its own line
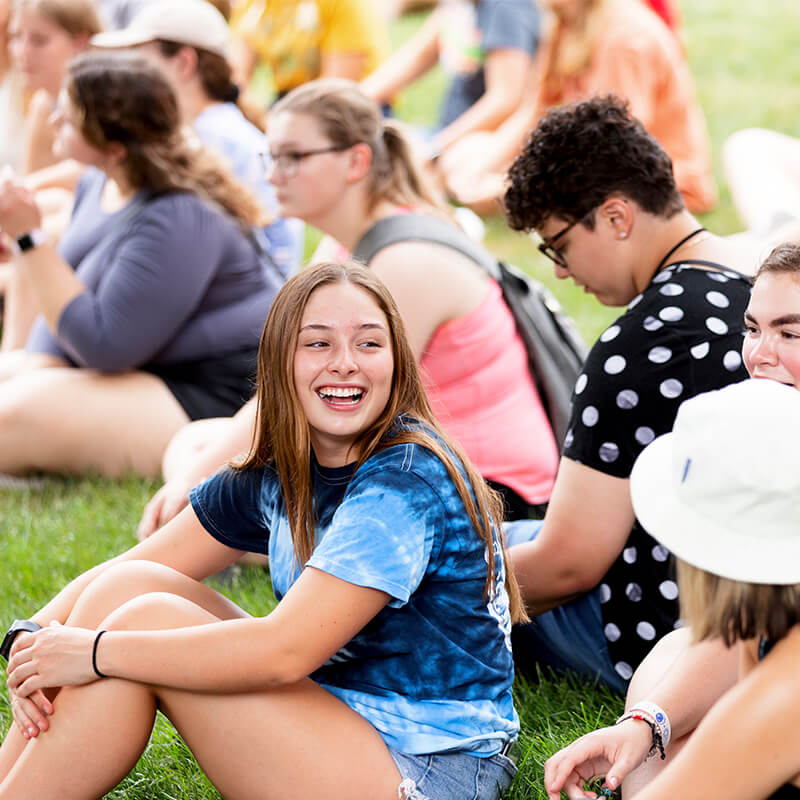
point(125, 37)
point(699, 540)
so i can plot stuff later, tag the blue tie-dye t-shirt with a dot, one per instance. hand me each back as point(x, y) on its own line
point(433, 670)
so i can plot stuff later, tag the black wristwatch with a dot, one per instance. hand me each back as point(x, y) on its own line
point(18, 626)
point(30, 240)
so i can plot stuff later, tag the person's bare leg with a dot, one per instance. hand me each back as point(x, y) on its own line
point(19, 312)
point(189, 442)
point(79, 420)
point(111, 590)
point(291, 742)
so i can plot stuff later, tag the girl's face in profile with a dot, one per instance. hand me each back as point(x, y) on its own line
point(771, 347)
point(309, 174)
point(343, 368)
point(69, 140)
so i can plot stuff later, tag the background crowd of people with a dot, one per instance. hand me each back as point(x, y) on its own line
point(372, 429)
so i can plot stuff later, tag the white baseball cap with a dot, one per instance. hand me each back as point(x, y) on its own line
point(722, 491)
point(195, 23)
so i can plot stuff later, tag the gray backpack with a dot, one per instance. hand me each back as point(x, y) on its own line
point(555, 349)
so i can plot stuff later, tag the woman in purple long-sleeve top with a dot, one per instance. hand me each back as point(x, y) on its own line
point(152, 305)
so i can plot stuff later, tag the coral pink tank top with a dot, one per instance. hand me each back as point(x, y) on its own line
point(475, 371)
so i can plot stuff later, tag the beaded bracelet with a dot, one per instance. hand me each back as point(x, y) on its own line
point(657, 715)
point(657, 745)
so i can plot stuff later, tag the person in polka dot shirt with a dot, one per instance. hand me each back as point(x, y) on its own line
point(600, 192)
point(685, 680)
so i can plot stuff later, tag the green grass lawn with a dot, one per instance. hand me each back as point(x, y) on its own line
point(747, 69)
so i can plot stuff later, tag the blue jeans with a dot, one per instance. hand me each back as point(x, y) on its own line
point(568, 638)
point(453, 776)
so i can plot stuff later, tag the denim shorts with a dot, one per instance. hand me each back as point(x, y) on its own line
point(453, 776)
point(568, 638)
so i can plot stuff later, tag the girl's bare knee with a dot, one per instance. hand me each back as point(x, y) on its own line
point(117, 585)
point(157, 611)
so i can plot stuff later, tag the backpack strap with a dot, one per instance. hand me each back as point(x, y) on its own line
point(422, 228)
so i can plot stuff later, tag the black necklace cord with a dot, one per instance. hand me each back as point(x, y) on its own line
point(663, 262)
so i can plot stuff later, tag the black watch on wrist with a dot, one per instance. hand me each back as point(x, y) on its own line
point(18, 626)
point(30, 240)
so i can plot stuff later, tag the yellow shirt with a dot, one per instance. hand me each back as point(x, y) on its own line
point(292, 36)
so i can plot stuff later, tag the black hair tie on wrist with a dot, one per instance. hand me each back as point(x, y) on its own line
point(94, 655)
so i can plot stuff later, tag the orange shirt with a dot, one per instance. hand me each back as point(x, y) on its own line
point(639, 59)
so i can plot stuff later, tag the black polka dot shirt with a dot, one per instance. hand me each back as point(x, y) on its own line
point(680, 337)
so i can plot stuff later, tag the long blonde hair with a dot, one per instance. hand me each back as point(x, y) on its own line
point(348, 117)
point(282, 437)
point(123, 97)
point(573, 43)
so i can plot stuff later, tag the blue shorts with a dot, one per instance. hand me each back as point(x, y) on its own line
point(453, 776)
point(568, 638)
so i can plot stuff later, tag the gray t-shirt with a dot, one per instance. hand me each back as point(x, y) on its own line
point(497, 25)
point(175, 281)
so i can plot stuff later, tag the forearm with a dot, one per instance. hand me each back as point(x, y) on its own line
point(589, 519)
point(52, 281)
point(316, 617)
point(687, 682)
point(543, 585)
point(508, 139)
point(63, 175)
point(404, 66)
point(485, 115)
point(506, 74)
point(230, 656)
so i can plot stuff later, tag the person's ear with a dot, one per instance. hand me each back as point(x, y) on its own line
point(360, 156)
point(80, 42)
point(115, 153)
point(617, 213)
point(185, 63)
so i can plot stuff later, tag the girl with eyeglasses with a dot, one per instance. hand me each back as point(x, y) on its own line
point(337, 165)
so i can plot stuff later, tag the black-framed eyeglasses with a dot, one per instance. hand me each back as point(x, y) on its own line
point(288, 161)
point(547, 246)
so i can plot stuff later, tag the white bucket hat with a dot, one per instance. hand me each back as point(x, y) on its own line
point(195, 23)
point(722, 491)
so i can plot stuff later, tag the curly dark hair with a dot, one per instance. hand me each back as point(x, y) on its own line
point(578, 156)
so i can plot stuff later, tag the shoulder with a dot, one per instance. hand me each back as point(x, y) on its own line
point(185, 212)
point(521, 12)
point(635, 30)
point(411, 464)
point(90, 185)
point(770, 694)
point(681, 293)
point(412, 261)
point(225, 124)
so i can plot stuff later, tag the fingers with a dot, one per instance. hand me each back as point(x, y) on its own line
point(31, 713)
point(568, 769)
point(174, 502)
point(166, 503)
point(151, 515)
